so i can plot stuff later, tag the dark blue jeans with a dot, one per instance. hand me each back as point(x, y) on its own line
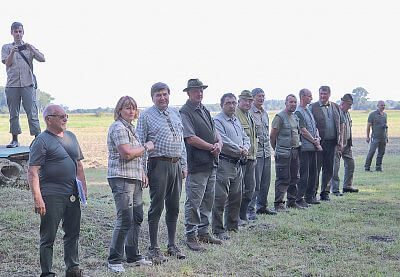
point(59, 207)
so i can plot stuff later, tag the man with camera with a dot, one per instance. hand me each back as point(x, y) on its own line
point(21, 82)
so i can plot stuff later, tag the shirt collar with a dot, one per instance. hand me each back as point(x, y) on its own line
point(324, 105)
point(193, 106)
point(256, 110)
point(227, 118)
point(166, 111)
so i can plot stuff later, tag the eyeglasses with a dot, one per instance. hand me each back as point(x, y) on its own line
point(60, 116)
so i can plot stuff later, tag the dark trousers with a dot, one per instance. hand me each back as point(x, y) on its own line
point(59, 207)
point(248, 186)
point(308, 175)
point(325, 161)
point(165, 185)
point(225, 212)
point(129, 205)
point(379, 144)
point(287, 176)
point(28, 97)
point(259, 202)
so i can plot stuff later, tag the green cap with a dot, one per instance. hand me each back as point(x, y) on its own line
point(246, 94)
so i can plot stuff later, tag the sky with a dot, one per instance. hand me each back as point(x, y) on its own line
point(98, 51)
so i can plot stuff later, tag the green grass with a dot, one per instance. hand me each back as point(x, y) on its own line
point(331, 239)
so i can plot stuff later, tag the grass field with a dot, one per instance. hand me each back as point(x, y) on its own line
point(353, 235)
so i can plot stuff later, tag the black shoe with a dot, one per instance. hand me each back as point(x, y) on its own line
point(337, 193)
point(379, 169)
point(313, 201)
point(349, 189)
point(266, 211)
point(367, 170)
point(294, 205)
point(13, 144)
point(303, 203)
point(325, 197)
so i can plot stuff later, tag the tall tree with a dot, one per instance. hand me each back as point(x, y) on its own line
point(360, 99)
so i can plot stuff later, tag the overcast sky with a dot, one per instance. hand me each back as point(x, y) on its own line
point(96, 52)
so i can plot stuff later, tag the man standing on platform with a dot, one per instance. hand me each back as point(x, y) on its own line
point(285, 139)
point(310, 144)
point(378, 121)
point(203, 145)
point(236, 144)
point(346, 153)
point(329, 121)
point(21, 82)
point(248, 164)
point(259, 202)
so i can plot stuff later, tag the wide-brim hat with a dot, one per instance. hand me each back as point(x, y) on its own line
point(347, 98)
point(194, 83)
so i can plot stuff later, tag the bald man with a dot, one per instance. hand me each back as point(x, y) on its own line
point(378, 121)
point(57, 154)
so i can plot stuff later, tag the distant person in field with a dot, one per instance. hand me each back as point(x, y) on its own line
point(54, 164)
point(379, 137)
point(127, 180)
point(310, 144)
point(166, 167)
point(285, 140)
point(346, 153)
point(21, 82)
point(259, 201)
point(203, 145)
point(329, 121)
point(236, 144)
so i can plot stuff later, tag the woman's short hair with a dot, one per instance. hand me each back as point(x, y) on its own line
point(125, 101)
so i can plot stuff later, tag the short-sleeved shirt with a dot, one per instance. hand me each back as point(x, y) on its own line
point(122, 132)
point(262, 128)
point(19, 73)
point(295, 138)
point(57, 157)
point(378, 122)
point(164, 128)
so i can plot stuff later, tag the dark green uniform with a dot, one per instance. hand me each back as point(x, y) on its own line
point(378, 138)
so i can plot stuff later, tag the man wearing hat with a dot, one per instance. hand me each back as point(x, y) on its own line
point(259, 202)
point(203, 145)
point(166, 167)
point(248, 164)
point(346, 153)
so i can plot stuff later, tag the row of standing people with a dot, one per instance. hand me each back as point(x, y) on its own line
point(226, 161)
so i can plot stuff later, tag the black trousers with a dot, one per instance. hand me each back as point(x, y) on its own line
point(306, 187)
point(325, 162)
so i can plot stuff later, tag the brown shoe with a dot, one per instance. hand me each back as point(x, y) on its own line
point(155, 255)
point(174, 251)
point(193, 244)
point(207, 238)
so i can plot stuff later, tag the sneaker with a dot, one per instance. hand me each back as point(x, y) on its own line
point(117, 268)
point(222, 236)
point(280, 208)
point(174, 251)
point(294, 205)
point(193, 244)
point(155, 255)
point(303, 203)
point(207, 238)
point(141, 262)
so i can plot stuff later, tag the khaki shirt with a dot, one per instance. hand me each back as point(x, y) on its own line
point(277, 123)
point(262, 129)
point(19, 74)
point(247, 121)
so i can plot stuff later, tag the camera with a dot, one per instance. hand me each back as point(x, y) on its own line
point(22, 47)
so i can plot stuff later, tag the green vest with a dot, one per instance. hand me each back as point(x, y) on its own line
point(249, 126)
point(284, 139)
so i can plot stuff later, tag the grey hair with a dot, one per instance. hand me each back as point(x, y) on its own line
point(303, 92)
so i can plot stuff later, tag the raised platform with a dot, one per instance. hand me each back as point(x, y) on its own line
point(14, 166)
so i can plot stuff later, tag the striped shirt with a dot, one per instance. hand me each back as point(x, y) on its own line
point(164, 128)
point(121, 132)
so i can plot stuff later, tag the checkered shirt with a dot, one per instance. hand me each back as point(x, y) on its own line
point(165, 130)
point(122, 132)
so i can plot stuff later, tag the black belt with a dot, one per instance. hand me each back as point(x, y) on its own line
point(169, 159)
point(229, 159)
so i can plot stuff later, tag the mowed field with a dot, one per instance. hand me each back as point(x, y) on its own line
point(353, 235)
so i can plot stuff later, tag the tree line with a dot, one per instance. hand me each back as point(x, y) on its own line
point(360, 97)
